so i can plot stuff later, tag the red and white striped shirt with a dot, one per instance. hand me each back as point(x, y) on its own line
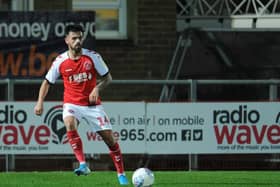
point(79, 76)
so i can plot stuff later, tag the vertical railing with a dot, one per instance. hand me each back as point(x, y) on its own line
point(10, 158)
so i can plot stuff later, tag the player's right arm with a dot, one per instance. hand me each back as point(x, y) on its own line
point(50, 78)
point(44, 89)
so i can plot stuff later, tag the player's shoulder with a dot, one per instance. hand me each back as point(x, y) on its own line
point(89, 52)
point(61, 58)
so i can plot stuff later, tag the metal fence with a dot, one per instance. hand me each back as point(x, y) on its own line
point(193, 86)
point(190, 83)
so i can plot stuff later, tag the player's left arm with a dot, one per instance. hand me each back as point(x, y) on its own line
point(102, 69)
point(103, 83)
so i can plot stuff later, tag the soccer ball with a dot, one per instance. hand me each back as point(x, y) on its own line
point(143, 177)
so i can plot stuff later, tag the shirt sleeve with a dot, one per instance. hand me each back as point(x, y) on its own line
point(53, 72)
point(100, 65)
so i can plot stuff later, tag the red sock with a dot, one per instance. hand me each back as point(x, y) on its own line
point(116, 156)
point(76, 144)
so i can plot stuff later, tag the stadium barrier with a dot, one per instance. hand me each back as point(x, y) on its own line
point(192, 96)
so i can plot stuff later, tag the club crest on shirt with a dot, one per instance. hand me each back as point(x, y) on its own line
point(87, 65)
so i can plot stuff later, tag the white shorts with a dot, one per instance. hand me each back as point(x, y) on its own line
point(94, 116)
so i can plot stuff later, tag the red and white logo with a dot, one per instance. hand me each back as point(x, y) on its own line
point(87, 65)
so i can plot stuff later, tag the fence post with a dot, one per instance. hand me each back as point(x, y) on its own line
point(193, 162)
point(273, 92)
point(10, 159)
point(273, 97)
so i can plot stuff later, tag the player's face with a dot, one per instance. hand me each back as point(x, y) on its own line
point(74, 40)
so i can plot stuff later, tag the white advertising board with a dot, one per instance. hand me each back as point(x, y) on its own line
point(214, 127)
point(154, 128)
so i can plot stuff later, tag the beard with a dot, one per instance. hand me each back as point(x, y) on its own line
point(77, 48)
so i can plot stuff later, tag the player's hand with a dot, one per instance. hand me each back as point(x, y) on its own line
point(93, 96)
point(38, 109)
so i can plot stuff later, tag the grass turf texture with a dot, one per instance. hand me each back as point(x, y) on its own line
point(162, 179)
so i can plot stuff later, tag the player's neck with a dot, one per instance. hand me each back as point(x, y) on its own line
point(74, 55)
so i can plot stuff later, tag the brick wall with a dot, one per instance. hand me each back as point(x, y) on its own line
point(147, 55)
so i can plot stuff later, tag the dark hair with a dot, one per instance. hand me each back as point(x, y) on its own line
point(73, 28)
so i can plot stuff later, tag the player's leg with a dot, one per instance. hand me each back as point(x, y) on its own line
point(75, 141)
point(100, 123)
point(115, 153)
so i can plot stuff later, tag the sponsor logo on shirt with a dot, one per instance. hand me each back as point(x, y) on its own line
point(80, 77)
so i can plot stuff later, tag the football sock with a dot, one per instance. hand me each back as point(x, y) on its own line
point(116, 156)
point(76, 144)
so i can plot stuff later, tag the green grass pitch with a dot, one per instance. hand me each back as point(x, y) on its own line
point(162, 179)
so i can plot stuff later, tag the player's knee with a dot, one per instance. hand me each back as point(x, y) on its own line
point(70, 123)
point(70, 127)
point(108, 139)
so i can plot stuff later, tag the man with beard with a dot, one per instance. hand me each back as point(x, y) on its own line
point(78, 68)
